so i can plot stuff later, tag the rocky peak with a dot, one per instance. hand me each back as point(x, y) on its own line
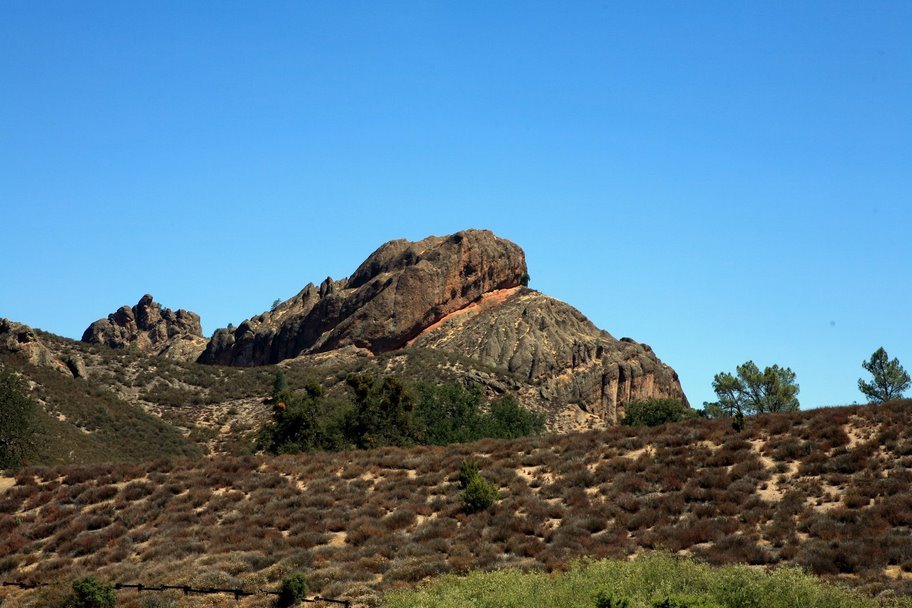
point(396, 293)
point(151, 328)
point(23, 341)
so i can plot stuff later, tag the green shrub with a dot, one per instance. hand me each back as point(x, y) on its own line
point(479, 494)
point(467, 472)
point(89, 592)
point(605, 600)
point(653, 412)
point(685, 601)
point(293, 590)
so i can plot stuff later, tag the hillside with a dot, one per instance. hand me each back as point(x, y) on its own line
point(830, 490)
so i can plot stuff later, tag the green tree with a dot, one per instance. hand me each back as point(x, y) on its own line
point(889, 380)
point(382, 413)
point(751, 391)
point(293, 590)
point(89, 592)
point(653, 412)
point(295, 420)
point(17, 420)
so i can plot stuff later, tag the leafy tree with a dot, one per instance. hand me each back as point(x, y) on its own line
point(89, 592)
point(509, 420)
point(382, 413)
point(293, 590)
point(889, 381)
point(654, 412)
point(751, 391)
point(447, 413)
point(275, 304)
point(17, 420)
point(295, 420)
point(524, 279)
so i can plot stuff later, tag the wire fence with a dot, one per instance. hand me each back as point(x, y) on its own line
point(188, 590)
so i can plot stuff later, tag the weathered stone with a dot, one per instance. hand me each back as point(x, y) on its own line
point(152, 329)
point(399, 291)
point(22, 340)
point(557, 352)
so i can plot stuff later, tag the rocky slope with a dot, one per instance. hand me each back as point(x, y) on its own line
point(151, 329)
point(559, 353)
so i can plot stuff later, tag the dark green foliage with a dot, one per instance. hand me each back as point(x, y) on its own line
point(606, 600)
point(299, 422)
point(509, 420)
point(654, 412)
point(467, 472)
point(17, 420)
point(524, 279)
point(382, 414)
point(479, 494)
point(89, 592)
point(280, 384)
point(682, 601)
point(294, 589)
point(387, 411)
point(738, 421)
point(889, 380)
point(452, 413)
point(754, 392)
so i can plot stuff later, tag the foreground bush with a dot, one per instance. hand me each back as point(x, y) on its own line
point(89, 592)
point(654, 412)
point(644, 582)
point(294, 589)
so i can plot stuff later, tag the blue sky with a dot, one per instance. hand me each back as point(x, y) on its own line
point(722, 180)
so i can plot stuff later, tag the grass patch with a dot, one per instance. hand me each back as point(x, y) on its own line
point(644, 581)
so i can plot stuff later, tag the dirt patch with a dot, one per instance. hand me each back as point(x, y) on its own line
point(6, 483)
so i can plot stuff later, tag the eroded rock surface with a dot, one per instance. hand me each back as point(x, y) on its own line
point(25, 342)
point(400, 290)
point(151, 329)
point(558, 354)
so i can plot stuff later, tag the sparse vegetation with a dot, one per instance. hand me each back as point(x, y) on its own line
point(827, 490)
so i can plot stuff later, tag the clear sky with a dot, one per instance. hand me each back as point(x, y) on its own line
point(722, 180)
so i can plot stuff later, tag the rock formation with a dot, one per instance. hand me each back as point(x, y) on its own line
point(152, 329)
point(556, 352)
point(400, 290)
point(25, 342)
point(461, 294)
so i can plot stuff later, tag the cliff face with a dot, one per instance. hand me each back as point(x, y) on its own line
point(400, 290)
point(557, 352)
point(152, 329)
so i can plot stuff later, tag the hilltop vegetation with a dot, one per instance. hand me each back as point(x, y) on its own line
point(828, 490)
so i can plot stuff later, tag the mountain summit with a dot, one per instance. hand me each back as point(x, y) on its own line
point(462, 294)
